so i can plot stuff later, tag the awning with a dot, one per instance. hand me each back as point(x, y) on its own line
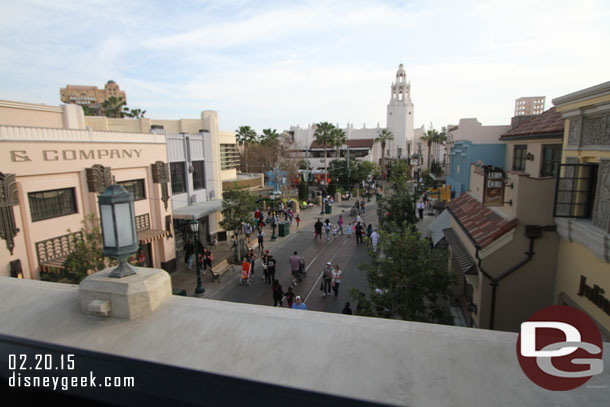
point(461, 255)
point(147, 236)
point(198, 210)
point(443, 221)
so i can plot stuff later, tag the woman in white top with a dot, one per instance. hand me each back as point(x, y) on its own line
point(337, 275)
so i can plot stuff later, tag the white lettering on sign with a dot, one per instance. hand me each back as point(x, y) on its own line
point(21, 156)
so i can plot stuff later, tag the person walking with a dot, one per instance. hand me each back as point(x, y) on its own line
point(264, 259)
point(336, 276)
point(420, 209)
point(347, 310)
point(326, 279)
point(189, 254)
point(261, 238)
point(350, 229)
point(369, 230)
point(362, 206)
point(208, 258)
point(270, 270)
point(247, 231)
point(298, 220)
point(298, 304)
point(289, 297)
point(340, 223)
point(318, 229)
point(245, 271)
point(375, 239)
point(295, 263)
point(251, 258)
point(358, 233)
point(278, 294)
point(327, 227)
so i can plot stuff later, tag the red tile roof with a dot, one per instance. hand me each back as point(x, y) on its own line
point(481, 223)
point(359, 143)
point(549, 122)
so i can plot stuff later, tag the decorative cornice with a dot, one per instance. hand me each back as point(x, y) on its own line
point(31, 106)
point(594, 91)
point(584, 233)
point(37, 134)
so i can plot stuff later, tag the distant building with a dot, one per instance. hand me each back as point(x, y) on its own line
point(90, 95)
point(473, 143)
point(529, 105)
point(399, 121)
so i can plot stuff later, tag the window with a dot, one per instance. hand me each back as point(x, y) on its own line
point(519, 155)
point(136, 187)
point(198, 175)
point(229, 156)
point(575, 191)
point(177, 174)
point(52, 204)
point(551, 157)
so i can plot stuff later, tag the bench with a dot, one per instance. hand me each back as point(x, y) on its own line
point(219, 269)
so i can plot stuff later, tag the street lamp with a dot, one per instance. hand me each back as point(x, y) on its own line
point(195, 228)
point(118, 228)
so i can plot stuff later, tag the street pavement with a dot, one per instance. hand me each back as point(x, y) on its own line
point(341, 250)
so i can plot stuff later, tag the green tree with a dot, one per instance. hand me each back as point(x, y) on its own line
point(409, 280)
point(338, 139)
point(270, 137)
point(113, 107)
point(245, 135)
point(238, 206)
point(398, 205)
point(87, 257)
point(133, 113)
point(385, 136)
point(323, 136)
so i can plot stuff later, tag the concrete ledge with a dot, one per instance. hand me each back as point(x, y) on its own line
point(128, 297)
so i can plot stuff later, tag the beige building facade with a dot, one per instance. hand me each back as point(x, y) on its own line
point(582, 205)
point(51, 177)
point(530, 105)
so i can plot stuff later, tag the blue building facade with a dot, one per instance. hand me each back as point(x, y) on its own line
point(463, 154)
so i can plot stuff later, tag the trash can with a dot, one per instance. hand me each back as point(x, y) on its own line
point(287, 228)
point(329, 209)
point(281, 229)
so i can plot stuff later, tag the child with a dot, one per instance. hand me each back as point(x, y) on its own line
point(289, 297)
point(335, 230)
point(298, 219)
point(349, 229)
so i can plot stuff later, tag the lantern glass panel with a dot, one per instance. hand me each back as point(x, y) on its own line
point(124, 219)
point(107, 225)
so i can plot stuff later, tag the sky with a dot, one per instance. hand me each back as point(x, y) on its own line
point(273, 64)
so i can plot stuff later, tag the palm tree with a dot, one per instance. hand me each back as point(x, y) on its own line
point(245, 135)
point(113, 107)
point(269, 137)
point(385, 135)
point(323, 136)
point(338, 138)
point(134, 113)
point(430, 137)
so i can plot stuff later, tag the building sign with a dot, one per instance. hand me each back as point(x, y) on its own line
point(594, 294)
point(21, 156)
point(493, 187)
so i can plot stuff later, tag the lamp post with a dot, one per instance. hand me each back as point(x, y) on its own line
point(118, 228)
point(195, 228)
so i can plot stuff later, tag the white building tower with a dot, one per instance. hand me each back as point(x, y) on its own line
point(400, 116)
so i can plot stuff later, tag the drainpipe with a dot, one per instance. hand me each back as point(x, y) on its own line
point(533, 232)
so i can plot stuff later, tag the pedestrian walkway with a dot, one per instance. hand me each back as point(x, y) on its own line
point(185, 279)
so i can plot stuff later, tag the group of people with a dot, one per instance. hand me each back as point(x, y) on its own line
point(205, 256)
point(268, 264)
point(328, 227)
point(331, 279)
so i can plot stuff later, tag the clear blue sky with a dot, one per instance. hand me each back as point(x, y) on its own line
point(277, 63)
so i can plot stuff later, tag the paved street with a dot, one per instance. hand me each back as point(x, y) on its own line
point(342, 251)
